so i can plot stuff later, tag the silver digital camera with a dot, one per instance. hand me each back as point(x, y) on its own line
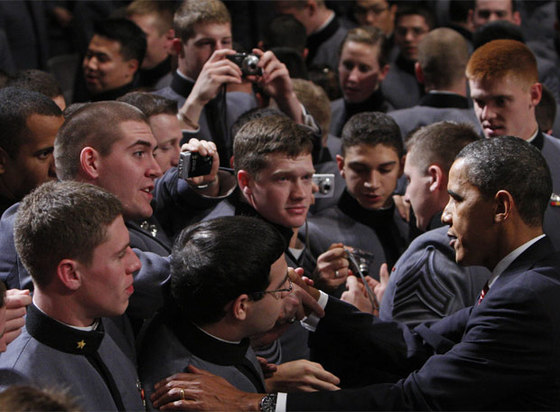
point(325, 184)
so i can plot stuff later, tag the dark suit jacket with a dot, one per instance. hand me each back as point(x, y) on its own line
point(503, 354)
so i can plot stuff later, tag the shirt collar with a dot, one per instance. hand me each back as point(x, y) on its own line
point(508, 260)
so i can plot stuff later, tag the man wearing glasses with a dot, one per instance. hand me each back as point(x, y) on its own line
point(217, 301)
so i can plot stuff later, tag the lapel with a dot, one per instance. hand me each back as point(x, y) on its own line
point(523, 263)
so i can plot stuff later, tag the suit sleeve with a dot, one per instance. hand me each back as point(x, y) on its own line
point(506, 359)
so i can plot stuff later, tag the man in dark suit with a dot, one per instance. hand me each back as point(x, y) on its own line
point(501, 353)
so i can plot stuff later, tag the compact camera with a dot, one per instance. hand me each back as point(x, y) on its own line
point(192, 164)
point(325, 183)
point(247, 62)
point(359, 260)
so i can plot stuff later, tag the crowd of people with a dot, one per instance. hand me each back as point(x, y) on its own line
point(353, 206)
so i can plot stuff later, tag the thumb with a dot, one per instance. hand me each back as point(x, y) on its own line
point(384, 274)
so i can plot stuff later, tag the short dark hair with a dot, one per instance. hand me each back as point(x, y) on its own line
point(267, 135)
point(439, 143)
point(16, 105)
point(94, 124)
point(36, 81)
point(150, 104)
point(372, 128)
point(284, 30)
point(512, 164)
point(193, 12)
point(210, 269)
point(495, 30)
point(30, 398)
point(71, 218)
point(131, 37)
point(410, 9)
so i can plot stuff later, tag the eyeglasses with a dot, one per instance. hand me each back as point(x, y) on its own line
point(290, 287)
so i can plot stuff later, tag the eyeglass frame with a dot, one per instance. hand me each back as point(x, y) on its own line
point(289, 289)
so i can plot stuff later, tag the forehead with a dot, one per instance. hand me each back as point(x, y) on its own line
point(131, 132)
point(367, 153)
point(211, 30)
point(100, 44)
point(116, 238)
point(458, 175)
point(493, 5)
point(412, 20)
point(505, 85)
point(281, 162)
point(42, 129)
point(165, 126)
point(364, 51)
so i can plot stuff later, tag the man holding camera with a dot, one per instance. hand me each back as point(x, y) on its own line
point(203, 45)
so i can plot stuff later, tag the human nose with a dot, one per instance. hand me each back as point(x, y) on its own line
point(446, 217)
point(298, 190)
point(487, 113)
point(373, 180)
point(353, 75)
point(52, 169)
point(133, 264)
point(153, 170)
point(91, 63)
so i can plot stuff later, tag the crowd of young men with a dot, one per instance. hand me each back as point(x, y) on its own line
point(172, 246)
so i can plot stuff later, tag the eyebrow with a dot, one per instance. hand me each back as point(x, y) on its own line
point(48, 150)
point(141, 143)
point(454, 194)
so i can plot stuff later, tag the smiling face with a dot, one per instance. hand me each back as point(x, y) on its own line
point(371, 174)
point(106, 283)
point(34, 162)
point(130, 169)
point(506, 106)
point(281, 192)
point(359, 71)
point(208, 38)
point(167, 131)
point(473, 232)
point(104, 67)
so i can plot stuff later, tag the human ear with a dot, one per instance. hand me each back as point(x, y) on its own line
point(89, 162)
point(340, 164)
point(504, 206)
point(68, 272)
point(240, 307)
point(437, 178)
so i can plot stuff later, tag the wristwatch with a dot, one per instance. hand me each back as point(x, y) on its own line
point(268, 403)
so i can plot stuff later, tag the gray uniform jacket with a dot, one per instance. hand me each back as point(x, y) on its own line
point(171, 344)
point(432, 108)
point(97, 367)
point(426, 283)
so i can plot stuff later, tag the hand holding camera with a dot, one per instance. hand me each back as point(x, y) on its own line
point(198, 164)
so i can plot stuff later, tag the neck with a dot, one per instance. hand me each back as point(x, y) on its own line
point(515, 236)
point(323, 15)
point(224, 330)
point(61, 306)
point(459, 88)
